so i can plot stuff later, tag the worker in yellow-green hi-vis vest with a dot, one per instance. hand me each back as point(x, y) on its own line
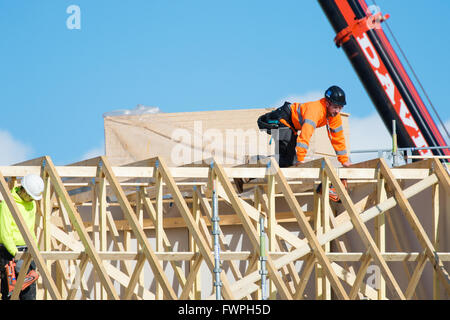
point(11, 240)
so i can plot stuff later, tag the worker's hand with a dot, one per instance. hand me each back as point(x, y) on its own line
point(298, 163)
point(347, 164)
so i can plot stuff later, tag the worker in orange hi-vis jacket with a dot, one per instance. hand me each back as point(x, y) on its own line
point(296, 123)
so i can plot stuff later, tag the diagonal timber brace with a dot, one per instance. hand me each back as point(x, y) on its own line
point(34, 251)
point(247, 285)
point(362, 229)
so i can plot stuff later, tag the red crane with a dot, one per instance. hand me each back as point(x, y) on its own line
point(359, 33)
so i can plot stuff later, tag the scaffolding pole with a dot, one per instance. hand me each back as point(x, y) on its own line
point(262, 258)
point(215, 219)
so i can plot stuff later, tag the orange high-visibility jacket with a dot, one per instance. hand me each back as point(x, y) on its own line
point(309, 116)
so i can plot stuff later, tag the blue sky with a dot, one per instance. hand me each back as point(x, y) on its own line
point(187, 56)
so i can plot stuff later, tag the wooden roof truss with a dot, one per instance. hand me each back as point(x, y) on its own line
point(141, 188)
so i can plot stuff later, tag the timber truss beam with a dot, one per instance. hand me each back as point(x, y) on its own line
point(71, 241)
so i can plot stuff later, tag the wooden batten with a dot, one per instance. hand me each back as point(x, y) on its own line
point(143, 230)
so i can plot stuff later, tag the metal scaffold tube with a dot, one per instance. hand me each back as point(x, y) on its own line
point(262, 258)
point(216, 232)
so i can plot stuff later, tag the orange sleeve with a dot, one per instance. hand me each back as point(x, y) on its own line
point(309, 123)
point(337, 138)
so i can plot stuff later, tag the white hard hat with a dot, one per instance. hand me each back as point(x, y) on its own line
point(33, 185)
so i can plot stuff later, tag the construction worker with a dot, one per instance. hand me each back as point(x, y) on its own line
point(11, 240)
point(296, 123)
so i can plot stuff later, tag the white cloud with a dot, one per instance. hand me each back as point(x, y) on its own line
point(12, 150)
point(309, 96)
point(94, 152)
point(140, 109)
point(368, 133)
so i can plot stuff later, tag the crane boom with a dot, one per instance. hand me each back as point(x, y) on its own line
point(359, 33)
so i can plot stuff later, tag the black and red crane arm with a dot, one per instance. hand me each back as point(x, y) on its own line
point(359, 33)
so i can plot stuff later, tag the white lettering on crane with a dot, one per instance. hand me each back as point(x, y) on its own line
point(369, 51)
point(388, 85)
point(390, 89)
point(419, 141)
point(406, 116)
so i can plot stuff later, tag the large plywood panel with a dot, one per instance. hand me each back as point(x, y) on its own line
point(231, 136)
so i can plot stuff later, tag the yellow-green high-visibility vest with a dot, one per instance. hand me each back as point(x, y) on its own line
point(10, 235)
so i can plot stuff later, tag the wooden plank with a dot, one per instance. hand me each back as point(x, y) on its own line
point(253, 214)
point(213, 184)
point(113, 272)
point(196, 213)
point(271, 225)
point(124, 280)
point(193, 228)
point(281, 243)
point(366, 259)
point(380, 230)
point(98, 290)
point(249, 229)
point(272, 254)
point(114, 234)
point(19, 282)
point(46, 212)
point(362, 229)
point(82, 267)
point(224, 246)
point(443, 176)
point(140, 217)
point(135, 277)
point(193, 272)
point(319, 273)
point(61, 274)
point(307, 269)
point(159, 231)
point(289, 271)
point(416, 226)
point(167, 246)
point(306, 172)
point(76, 254)
point(19, 171)
point(435, 237)
point(101, 193)
point(28, 238)
point(246, 285)
point(399, 236)
point(341, 246)
point(138, 232)
point(72, 288)
point(344, 275)
point(77, 222)
point(308, 232)
point(178, 222)
point(76, 171)
point(416, 276)
point(323, 227)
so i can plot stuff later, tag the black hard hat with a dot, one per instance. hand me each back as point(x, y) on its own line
point(336, 95)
